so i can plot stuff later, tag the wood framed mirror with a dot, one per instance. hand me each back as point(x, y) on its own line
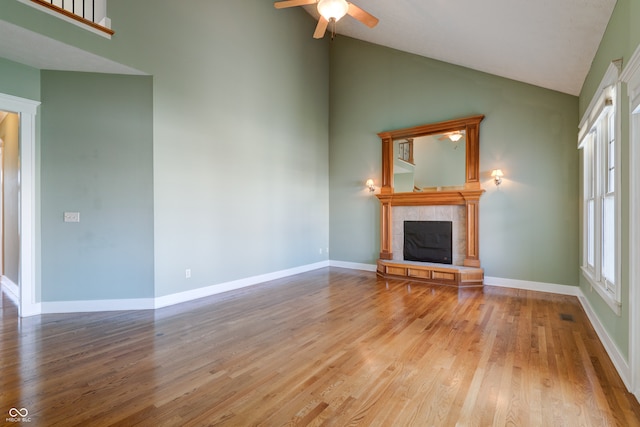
point(467, 194)
point(469, 127)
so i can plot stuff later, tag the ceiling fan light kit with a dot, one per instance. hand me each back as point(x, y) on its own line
point(331, 11)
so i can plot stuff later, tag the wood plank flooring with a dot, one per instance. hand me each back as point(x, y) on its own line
point(331, 347)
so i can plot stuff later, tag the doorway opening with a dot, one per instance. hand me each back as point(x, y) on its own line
point(18, 224)
point(9, 203)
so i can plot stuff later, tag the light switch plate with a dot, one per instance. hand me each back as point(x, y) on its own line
point(72, 217)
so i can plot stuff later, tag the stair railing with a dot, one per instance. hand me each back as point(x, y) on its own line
point(89, 12)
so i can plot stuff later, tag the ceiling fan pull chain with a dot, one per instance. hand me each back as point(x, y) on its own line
point(333, 29)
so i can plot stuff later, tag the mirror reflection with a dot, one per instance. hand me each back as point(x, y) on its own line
point(429, 162)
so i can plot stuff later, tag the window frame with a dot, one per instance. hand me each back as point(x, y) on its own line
point(599, 142)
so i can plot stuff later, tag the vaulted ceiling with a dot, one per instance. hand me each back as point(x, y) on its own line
point(547, 43)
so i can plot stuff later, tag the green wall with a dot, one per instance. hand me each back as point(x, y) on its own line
point(254, 153)
point(528, 226)
point(239, 151)
point(19, 80)
point(619, 41)
point(96, 154)
point(240, 136)
point(616, 44)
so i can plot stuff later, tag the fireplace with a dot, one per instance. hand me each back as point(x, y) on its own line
point(428, 241)
point(463, 200)
point(459, 215)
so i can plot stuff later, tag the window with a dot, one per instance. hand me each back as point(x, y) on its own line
point(600, 205)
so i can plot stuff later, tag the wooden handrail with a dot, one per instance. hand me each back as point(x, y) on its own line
point(74, 16)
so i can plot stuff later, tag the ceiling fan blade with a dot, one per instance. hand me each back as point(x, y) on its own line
point(292, 3)
point(363, 16)
point(320, 28)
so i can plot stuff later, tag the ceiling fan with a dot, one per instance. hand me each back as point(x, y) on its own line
point(331, 11)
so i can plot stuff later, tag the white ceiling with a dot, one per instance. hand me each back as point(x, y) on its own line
point(547, 43)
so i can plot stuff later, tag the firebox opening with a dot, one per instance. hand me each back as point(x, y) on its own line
point(428, 241)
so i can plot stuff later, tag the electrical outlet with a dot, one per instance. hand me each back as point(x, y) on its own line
point(71, 217)
point(320, 251)
point(187, 273)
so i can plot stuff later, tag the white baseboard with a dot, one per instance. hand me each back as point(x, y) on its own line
point(85, 306)
point(192, 294)
point(533, 286)
point(31, 309)
point(353, 265)
point(10, 289)
point(618, 359)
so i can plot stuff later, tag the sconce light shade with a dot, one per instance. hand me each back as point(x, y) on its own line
point(497, 175)
point(333, 9)
point(370, 185)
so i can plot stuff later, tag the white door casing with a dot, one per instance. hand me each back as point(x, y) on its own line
point(27, 109)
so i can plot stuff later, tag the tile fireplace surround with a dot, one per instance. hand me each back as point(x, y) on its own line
point(455, 214)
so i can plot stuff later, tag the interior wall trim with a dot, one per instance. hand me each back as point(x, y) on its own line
point(89, 306)
point(528, 285)
point(631, 76)
point(192, 294)
point(353, 265)
point(85, 306)
point(618, 359)
point(10, 289)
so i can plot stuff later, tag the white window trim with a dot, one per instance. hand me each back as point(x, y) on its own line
point(631, 76)
point(609, 89)
point(615, 305)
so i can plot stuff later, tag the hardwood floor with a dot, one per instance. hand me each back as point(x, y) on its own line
point(330, 347)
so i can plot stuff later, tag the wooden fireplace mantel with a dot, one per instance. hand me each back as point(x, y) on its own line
point(431, 198)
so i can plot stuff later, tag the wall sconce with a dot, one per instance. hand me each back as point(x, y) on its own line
point(370, 185)
point(497, 175)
